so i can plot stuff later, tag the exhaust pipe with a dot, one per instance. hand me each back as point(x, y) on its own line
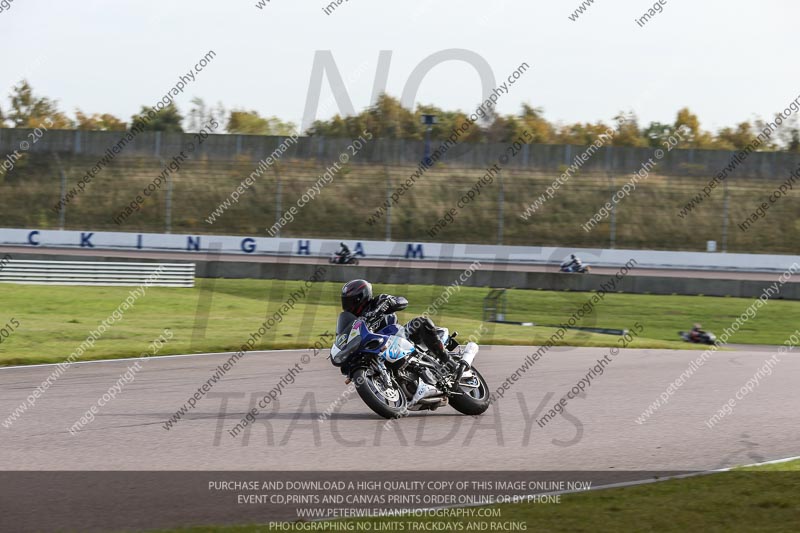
point(470, 351)
point(467, 356)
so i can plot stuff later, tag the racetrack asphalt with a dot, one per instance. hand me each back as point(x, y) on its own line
point(597, 436)
point(599, 431)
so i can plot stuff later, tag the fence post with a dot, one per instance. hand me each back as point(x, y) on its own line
point(158, 143)
point(613, 231)
point(501, 198)
point(388, 203)
point(278, 197)
point(725, 204)
point(62, 212)
point(167, 203)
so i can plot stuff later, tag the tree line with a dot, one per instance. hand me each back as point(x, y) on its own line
point(387, 118)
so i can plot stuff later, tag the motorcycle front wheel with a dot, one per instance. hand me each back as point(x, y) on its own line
point(474, 399)
point(386, 400)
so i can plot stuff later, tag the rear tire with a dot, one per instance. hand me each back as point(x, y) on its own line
point(377, 399)
point(475, 400)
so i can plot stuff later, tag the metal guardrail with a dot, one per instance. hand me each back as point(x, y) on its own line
point(97, 273)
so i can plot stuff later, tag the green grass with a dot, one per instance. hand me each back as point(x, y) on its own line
point(219, 315)
point(754, 499)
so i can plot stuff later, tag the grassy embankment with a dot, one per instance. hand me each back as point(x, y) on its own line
point(219, 315)
point(647, 219)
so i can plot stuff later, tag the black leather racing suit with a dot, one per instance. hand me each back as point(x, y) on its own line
point(419, 330)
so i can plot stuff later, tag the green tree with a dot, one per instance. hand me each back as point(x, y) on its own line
point(657, 133)
point(168, 119)
point(794, 142)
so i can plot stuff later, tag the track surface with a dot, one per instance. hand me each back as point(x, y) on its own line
point(512, 267)
point(600, 434)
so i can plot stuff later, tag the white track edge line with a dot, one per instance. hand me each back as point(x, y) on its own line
point(153, 357)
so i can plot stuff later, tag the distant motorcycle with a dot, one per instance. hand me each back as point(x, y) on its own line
point(703, 337)
point(573, 268)
point(344, 259)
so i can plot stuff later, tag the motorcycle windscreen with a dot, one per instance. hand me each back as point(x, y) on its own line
point(348, 338)
point(344, 322)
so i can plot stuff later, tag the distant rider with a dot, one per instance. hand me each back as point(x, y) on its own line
point(696, 332)
point(574, 264)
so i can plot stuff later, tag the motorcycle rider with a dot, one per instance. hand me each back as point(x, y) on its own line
point(696, 332)
point(357, 299)
point(574, 264)
point(343, 253)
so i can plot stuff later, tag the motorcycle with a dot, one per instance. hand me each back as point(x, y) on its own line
point(394, 376)
point(573, 268)
point(704, 337)
point(343, 259)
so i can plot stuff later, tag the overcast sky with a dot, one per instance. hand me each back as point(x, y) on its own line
point(728, 61)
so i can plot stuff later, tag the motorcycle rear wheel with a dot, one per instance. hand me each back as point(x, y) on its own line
point(475, 398)
point(384, 401)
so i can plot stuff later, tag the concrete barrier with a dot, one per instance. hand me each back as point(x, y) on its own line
point(508, 279)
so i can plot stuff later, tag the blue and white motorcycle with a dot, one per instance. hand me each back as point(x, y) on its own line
point(394, 376)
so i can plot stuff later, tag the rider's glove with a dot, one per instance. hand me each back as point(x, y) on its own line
point(389, 303)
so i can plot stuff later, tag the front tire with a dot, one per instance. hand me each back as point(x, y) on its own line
point(475, 398)
point(388, 402)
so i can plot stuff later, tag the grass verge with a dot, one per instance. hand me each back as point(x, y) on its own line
point(220, 315)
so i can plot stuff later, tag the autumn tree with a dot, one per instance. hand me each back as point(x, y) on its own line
point(532, 119)
point(251, 123)
point(98, 122)
point(29, 111)
point(693, 135)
